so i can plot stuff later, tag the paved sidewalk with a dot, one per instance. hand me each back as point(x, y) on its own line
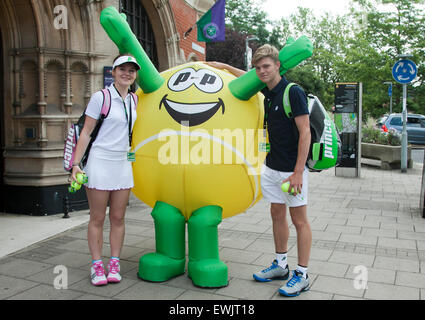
point(361, 226)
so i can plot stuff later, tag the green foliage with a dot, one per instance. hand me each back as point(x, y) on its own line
point(360, 46)
point(372, 134)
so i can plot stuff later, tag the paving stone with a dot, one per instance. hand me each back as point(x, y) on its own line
point(236, 255)
point(374, 275)
point(248, 289)
point(143, 290)
point(338, 286)
point(22, 268)
point(344, 229)
point(358, 239)
point(197, 295)
point(71, 259)
point(307, 295)
point(10, 286)
point(369, 204)
point(411, 235)
point(391, 263)
point(408, 279)
point(396, 243)
point(387, 233)
point(352, 258)
point(397, 226)
point(48, 276)
point(380, 291)
point(109, 290)
point(363, 223)
point(235, 243)
point(327, 268)
point(45, 292)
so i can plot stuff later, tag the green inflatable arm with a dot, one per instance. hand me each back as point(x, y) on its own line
point(293, 53)
point(117, 28)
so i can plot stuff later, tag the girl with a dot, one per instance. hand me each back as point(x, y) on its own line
point(108, 168)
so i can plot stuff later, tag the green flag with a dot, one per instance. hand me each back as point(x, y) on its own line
point(211, 26)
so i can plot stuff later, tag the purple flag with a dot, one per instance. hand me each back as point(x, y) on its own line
point(211, 26)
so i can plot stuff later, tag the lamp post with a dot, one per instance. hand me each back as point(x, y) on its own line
point(390, 93)
point(248, 51)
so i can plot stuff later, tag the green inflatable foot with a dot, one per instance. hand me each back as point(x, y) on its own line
point(205, 268)
point(157, 267)
point(208, 273)
point(169, 259)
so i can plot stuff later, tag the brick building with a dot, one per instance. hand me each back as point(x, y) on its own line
point(52, 59)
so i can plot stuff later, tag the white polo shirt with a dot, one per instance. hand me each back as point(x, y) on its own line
point(112, 140)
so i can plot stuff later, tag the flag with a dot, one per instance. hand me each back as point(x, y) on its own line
point(211, 25)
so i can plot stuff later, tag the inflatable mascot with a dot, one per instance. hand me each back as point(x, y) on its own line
point(196, 141)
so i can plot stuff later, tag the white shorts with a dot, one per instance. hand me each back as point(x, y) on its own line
point(108, 171)
point(271, 181)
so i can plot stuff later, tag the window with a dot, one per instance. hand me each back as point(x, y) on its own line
point(413, 122)
point(396, 121)
point(139, 23)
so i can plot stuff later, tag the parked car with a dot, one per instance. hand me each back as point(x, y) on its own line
point(415, 126)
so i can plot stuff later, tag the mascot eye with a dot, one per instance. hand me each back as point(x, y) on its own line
point(208, 81)
point(182, 79)
point(205, 80)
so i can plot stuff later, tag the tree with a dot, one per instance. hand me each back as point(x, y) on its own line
point(247, 17)
point(243, 18)
point(389, 33)
point(360, 46)
point(230, 51)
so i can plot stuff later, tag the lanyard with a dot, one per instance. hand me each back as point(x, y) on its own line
point(266, 112)
point(130, 133)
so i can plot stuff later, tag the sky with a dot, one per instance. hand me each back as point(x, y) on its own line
point(283, 8)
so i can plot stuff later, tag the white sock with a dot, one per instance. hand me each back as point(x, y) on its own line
point(303, 270)
point(282, 259)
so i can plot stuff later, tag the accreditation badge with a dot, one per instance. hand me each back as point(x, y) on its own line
point(264, 147)
point(131, 156)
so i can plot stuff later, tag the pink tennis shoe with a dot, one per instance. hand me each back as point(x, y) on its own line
point(114, 271)
point(98, 277)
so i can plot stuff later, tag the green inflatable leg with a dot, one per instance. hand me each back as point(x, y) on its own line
point(205, 268)
point(169, 259)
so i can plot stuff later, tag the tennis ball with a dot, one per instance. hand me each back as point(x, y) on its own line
point(81, 178)
point(75, 185)
point(285, 187)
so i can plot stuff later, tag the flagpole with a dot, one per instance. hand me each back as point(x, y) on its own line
point(188, 31)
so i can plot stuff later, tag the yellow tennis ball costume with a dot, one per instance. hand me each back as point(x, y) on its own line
point(191, 143)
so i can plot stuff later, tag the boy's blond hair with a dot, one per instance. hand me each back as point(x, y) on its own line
point(265, 51)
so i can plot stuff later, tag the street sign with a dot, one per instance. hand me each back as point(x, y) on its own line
point(404, 71)
point(390, 90)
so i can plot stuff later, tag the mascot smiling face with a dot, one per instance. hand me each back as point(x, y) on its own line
point(194, 113)
point(196, 144)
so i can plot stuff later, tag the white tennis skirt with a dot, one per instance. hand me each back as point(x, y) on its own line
point(108, 170)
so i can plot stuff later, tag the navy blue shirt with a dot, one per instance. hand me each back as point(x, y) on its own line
point(283, 132)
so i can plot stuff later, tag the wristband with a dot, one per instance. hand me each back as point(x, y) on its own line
point(76, 164)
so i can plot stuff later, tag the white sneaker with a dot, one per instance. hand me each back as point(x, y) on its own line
point(295, 285)
point(114, 271)
point(98, 277)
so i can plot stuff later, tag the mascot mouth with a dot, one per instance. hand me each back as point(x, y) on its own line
point(191, 114)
